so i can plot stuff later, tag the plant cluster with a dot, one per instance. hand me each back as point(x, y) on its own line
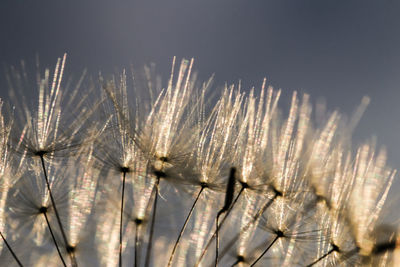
point(90, 178)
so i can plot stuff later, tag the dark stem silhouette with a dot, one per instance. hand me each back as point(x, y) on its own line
point(11, 250)
point(333, 249)
point(266, 250)
point(121, 216)
point(215, 232)
point(184, 226)
point(230, 191)
point(138, 223)
point(250, 223)
point(43, 210)
point(53, 203)
point(150, 242)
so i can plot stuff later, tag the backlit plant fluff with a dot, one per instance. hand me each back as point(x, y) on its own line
point(145, 174)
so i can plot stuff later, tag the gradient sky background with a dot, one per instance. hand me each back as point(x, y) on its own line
point(334, 50)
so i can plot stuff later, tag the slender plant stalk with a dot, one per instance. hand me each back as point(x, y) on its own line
point(322, 257)
point(231, 208)
point(266, 250)
point(249, 224)
point(10, 249)
point(54, 238)
point(120, 225)
point(184, 226)
point(222, 222)
point(150, 242)
point(230, 191)
point(217, 238)
point(137, 241)
point(53, 203)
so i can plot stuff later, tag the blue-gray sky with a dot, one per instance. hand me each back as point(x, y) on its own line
point(337, 50)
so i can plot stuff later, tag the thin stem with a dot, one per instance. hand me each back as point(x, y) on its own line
point(137, 241)
point(249, 224)
point(222, 222)
point(150, 242)
point(184, 226)
point(322, 257)
point(217, 238)
point(230, 209)
point(53, 203)
point(120, 225)
point(54, 238)
point(230, 191)
point(10, 249)
point(266, 250)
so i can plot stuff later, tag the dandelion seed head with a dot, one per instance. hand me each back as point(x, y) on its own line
point(111, 183)
point(58, 124)
point(162, 126)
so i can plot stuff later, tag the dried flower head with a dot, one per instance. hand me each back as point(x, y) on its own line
point(110, 178)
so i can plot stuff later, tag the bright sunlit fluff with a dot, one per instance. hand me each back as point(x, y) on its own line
point(102, 175)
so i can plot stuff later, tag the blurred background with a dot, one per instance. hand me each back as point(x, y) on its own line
point(337, 51)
